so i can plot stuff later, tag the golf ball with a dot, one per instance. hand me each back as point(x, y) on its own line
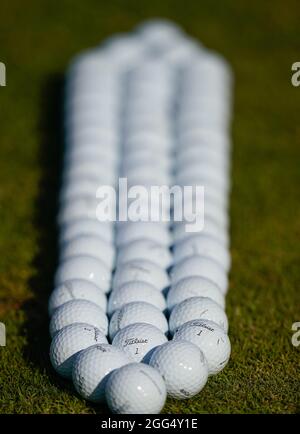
point(68, 342)
point(133, 231)
point(141, 270)
point(202, 245)
point(145, 249)
point(90, 227)
point(200, 266)
point(78, 311)
point(82, 207)
point(139, 339)
point(210, 227)
point(88, 245)
point(137, 311)
point(210, 338)
point(197, 308)
point(194, 286)
point(183, 367)
point(135, 291)
point(92, 367)
point(135, 389)
point(76, 289)
point(87, 268)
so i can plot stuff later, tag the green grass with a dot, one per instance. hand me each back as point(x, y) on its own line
point(261, 40)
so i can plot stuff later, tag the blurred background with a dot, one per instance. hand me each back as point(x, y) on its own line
point(261, 42)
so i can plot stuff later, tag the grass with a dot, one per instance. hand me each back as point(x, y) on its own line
point(261, 41)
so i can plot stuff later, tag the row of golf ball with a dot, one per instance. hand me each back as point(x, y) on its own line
point(79, 274)
point(141, 277)
point(203, 158)
point(138, 325)
point(77, 306)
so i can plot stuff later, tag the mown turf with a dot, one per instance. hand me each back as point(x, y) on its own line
point(261, 40)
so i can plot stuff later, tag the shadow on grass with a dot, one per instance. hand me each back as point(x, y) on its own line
point(46, 206)
point(45, 260)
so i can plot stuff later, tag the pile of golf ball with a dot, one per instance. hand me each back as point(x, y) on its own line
point(138, 309)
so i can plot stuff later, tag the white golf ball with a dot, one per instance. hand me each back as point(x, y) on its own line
point(80, 118)
point(210, 227)
point(203, 135)
point(144, 157)
point(88, 245)
point(201, 152)
point(160, 35)
point(133, 231)
point(137, 311)
point(135, 291)
point(69, 341)
point(78, 188)
point(139, 339)
point(197, 308)
point(203, 245)
point(201, 175)
point(208, 210)
point(84, 267)
point(87, 100)
point(194, 286)
point(182, 366)
point(196, 136)
point(74, 138)
point(78, 311)
point(88, 86)
point(200, 266)
point(92, 367)
point(199, 170)
point(83, 207)
point(181, 53)
point(137, 176)
point(149, 203)
point(82, 227)
point(145, 249)
point(89, 170)
point(153, 73)
point(146, 176)
point(135, 124)
point(76, 289)
point(103, 161)
point(213, 117)
point(124, 50)
point(156, 100)
point(135, 389)
point(141, 270)
point(148, 138)
point(90, 60)
point(91, 151)
point(210, 338)
point(214, 180)
point(208, 167)
point(157, 179)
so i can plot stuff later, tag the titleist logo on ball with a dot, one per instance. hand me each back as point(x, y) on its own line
point(132, 341)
